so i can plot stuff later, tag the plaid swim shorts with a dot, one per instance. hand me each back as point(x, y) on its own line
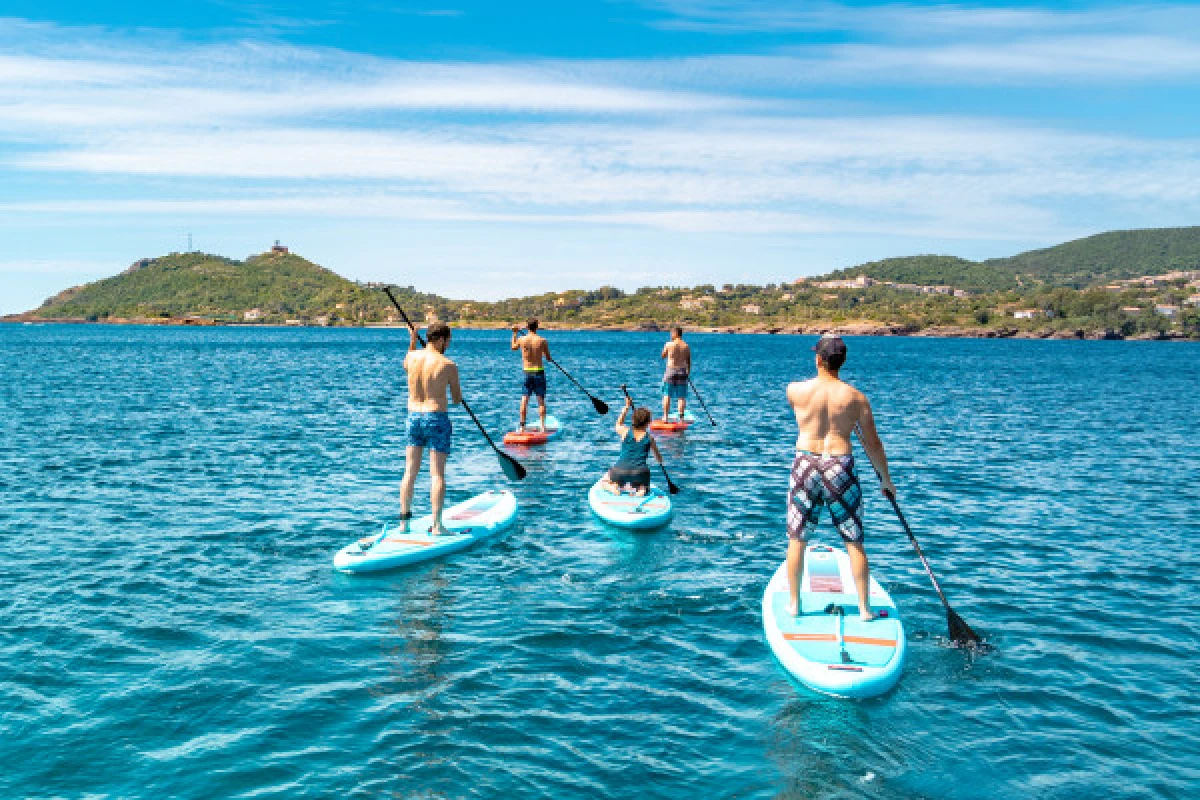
point(819, 481)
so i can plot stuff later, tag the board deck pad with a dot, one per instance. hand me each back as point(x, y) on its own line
point(808, 646)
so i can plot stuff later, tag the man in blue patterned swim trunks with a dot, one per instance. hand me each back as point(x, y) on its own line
point(430, 376)
point(828, 411)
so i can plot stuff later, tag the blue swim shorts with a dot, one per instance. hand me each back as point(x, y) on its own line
point(824, 481)
point(675, 383)
point(535, 383)
point(430, 429)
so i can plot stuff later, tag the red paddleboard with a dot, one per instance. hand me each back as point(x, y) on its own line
point(532, 435)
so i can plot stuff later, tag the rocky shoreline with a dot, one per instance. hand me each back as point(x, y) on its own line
point(812, 329)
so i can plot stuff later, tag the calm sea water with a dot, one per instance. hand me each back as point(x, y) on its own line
point(170, 625)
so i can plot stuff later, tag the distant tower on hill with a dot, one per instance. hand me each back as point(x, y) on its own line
point(279, 249)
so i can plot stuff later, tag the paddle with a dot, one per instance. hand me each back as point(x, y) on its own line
point(701, 399)
point(512, 468)
point(598, 404)
point(671, 487)
point(960, 632)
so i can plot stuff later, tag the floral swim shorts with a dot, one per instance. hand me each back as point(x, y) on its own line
point(819, 481)
point(430, 429)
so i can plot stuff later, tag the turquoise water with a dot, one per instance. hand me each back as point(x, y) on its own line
point(170, 625)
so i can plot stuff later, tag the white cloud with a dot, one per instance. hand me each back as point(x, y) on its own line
point(674, 144)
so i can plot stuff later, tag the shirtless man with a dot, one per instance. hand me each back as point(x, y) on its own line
point(827, 411)
point(679, 367)
point(533, 349)
point(430, 374)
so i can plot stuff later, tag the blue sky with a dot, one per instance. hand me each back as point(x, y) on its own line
point(483, 149)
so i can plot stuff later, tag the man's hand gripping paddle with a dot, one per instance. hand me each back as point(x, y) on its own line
point(512, 468)
point(671, 487)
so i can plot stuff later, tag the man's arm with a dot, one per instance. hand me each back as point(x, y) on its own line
point(666, 349)
point(687, 357)
point(869, 436)
point(516, 337)
point(546, 350)
point(414, 340)
point(455, 389)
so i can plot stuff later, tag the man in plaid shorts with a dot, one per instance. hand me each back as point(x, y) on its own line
point(823, 475)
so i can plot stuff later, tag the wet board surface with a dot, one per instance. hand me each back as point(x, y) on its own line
point(810, 646)
point(533, 435)
point(651, 510)
point(481, 517)
point(673, 422)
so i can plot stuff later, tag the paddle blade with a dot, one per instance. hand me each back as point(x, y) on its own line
point(600, 406)
point(512, 468)
point(960, 632)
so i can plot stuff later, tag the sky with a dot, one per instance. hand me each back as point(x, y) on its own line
point(487, 150)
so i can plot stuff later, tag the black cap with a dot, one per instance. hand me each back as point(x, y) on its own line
point(830, 345)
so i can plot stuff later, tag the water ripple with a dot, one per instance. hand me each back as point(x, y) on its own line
point(170, 499)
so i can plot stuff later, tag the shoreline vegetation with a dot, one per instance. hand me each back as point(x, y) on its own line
point(1120, 285)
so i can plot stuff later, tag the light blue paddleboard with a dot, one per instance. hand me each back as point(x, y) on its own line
point(811, 646)
point(479, 518)
point(651, 510)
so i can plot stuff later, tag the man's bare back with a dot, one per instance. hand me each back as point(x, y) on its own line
point(678, 354)
point(430, 374)
point(827, 411)
point(533, 349)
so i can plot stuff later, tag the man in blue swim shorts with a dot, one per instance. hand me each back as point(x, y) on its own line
point(430, 376)
point(534, 348)
point(828, 411)
point(678, 354)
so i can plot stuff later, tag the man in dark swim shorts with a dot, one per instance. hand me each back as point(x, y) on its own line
point(828, 411)
point(533, 349)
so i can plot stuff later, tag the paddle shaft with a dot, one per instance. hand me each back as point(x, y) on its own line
point(517, 466)
point(958, 626)
point(600, 406)
point(916, 546)
point(701, 399)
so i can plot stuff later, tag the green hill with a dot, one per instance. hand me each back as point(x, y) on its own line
point(1091, 261)
point(934, 271)
point(1060, 290)
point(280, 285)
point(1107, 256)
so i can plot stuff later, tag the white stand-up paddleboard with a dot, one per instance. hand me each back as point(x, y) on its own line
point(481, 517)
point(834, 653)
point(650, 510)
